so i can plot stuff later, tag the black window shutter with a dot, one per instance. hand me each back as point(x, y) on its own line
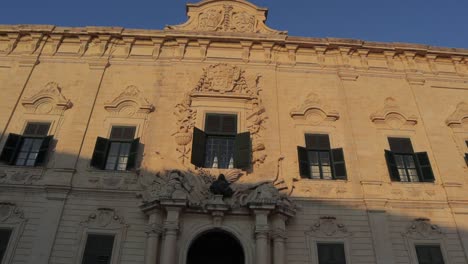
point(304, 169)
point(132, 157)
point(466, 158)
point(242, 151)
point(42, 155)
point(100, 153)
point(425, 168)
point(198, 148)
point(11, 148)
point(4, 240)
point(392, 167)
point(339, 165)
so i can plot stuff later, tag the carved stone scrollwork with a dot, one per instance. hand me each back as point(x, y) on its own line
point(48, 100)
point(104, 218)
point(423, 229)
point(227, 16)
point(392, 116)
point(9, 213)
point(314, 111)
point(459, 118)
point(328, 226)
point(129, 103)
point(224, 81)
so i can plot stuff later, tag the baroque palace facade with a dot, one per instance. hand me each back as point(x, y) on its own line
point(224, 141)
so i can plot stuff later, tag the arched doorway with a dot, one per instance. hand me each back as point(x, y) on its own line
point(215, 247)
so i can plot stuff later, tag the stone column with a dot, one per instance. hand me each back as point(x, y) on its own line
point(279, 239)
point(171, 231)
point(153, 235)
point(262, 230)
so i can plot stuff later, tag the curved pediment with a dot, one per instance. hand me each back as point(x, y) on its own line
point(237, 16)
point(48, 100)
point(392, 116)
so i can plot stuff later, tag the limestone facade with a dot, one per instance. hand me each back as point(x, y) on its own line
point(225, 60)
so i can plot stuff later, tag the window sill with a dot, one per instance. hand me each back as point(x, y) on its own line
point(321, 180)
point(407, 183)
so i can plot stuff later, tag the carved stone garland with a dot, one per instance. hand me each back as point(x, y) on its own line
point(223, 80)
point(104, 218)
point(9, 213)
point(48, 100)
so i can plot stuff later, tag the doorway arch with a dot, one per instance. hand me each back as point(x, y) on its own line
point(214, 247)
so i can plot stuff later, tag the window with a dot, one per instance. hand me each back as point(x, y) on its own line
point(98, 249)
point(405, 165)
point(466, 154)
point(318, 161)
point(5, 235)
point(117, 153)
point(29, 149)
point(219, 146)
point(331, 253)
point(429, 254)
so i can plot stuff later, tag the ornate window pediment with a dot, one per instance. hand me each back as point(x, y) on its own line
point(423, 229)
point(48, 100)
point(392, 116)
point(328, 227)
point(104, 218)
point(313, 110)
point(129, 103)
point(459, 118)
point(237, 16)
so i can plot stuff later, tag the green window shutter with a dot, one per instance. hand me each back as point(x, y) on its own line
point(132, 157)
point(242, 151)
point(100, 153)
point(339, 165)
point(198, 148)
point(11, 148)
point(392, 167)
point(466, 158)
point(303, 159)
point(424, 165)
point(42, 155)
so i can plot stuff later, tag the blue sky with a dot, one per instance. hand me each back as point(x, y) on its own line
point(433, 22)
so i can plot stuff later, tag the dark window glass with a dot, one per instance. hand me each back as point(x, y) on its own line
point(220, 132)
point(98, 249)
point(404, 158)
point(5, 235)
point(119, 147)
point(331, 253)
point(319, 157)
point(466, 143)
point(429, 254)
point(32, 140)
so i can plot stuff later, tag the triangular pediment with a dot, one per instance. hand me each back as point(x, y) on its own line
point(234, 16)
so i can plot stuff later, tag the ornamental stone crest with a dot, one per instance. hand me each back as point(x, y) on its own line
point(129, 103)
point(238, 16)
point(392, 116)
point(327, 226)
point(314, 111)
point(222, 78)
point(104, 218)
point(49, 100)
point(422, 228)
point(459, 117)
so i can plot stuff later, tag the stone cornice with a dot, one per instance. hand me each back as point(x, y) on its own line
point(302, 42)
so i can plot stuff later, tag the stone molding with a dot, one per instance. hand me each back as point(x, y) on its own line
point(235, 16)
point(314, 111)
point(129, 103)
point(392, 116)
point(459, 117)
point(48, 100)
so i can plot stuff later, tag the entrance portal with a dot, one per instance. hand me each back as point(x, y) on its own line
point(216, 247)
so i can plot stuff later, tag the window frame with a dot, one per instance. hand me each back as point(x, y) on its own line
point(16, 223)
point(313, 243)
point(100, 233)
point(412, 243)
point(412, 155)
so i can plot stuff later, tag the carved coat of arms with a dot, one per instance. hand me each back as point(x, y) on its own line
point(210, 20)
point(243, 22)
point(222, 78)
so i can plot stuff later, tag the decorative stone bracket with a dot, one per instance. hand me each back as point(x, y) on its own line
point(314, 111)
point(392, 116)
point(459, 117)
point(129, 103)
point(48, 100)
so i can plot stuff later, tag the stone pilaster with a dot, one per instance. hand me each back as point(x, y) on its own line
point(153, 235)
point(171, 231)
point(279, 239)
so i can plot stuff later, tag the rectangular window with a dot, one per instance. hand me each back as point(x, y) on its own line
point(117, 153)
point(429, 254)
point(219, 145)
point(221, 130)
point(29, 149)
point(318, 161)
point(331, 253)
point(5, 235)
point(98, 249)
point(405, 165)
